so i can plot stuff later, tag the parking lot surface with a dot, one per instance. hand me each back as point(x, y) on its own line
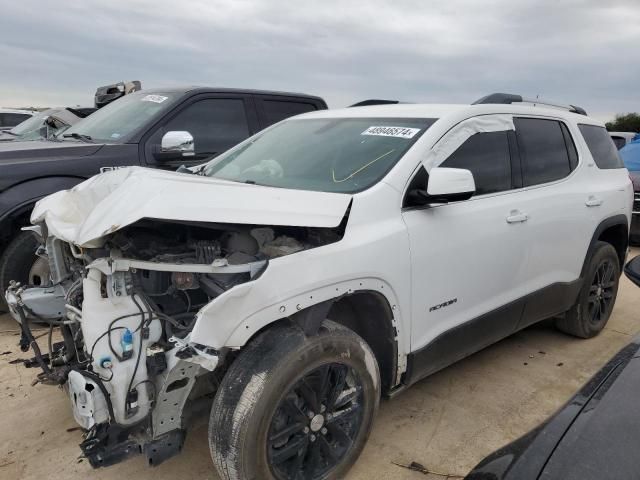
point(447, 422)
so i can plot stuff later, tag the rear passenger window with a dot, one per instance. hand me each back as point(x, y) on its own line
point(543, 150)
point(486, 155)
point(602, 148)
point(277, 110)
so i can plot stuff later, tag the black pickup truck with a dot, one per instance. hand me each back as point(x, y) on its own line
point(162, 128)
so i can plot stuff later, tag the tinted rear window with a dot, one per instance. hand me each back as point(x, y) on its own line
point(12, 119)
point(543, 150)
point(277, 110)
point(602, 148)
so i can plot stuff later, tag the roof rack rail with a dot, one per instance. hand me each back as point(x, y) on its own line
point(374, 101)
point(509, 98)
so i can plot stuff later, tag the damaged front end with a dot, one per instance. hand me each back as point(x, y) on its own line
point(124, 310)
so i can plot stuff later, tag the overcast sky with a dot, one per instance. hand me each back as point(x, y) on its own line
point(454, 51)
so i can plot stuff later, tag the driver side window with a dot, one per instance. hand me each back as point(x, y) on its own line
point(216, 124)
point(487, 156)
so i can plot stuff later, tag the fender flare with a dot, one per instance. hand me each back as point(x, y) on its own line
point(609, 222)
point(309, 309)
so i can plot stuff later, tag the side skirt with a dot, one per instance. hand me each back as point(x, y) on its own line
point(476, 334)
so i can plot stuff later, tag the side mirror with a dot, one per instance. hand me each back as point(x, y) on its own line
point(176, 144)
point(451, 183)
point(445, 185)
point(632, 270)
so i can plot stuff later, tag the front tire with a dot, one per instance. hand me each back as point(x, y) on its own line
point(597, 297)
point(19, 262)
point(292, 406)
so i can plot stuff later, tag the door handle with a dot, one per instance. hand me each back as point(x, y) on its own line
point(593, 201)
point(516, 216)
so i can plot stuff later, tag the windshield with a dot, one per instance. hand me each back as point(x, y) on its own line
point(117, 120)
point(32, 123)
point(329, 154)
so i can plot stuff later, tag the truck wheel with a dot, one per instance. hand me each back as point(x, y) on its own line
point(595, 302)
point(292, 406)
point(19, 262)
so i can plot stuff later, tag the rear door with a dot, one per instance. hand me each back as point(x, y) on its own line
point(554, 202)
point(216, 122)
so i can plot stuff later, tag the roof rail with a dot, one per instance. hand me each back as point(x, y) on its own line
point(373, 101)
point(509, 98)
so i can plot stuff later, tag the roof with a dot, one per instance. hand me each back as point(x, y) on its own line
point(199, 89)
point(17, 110)
point(453, 111)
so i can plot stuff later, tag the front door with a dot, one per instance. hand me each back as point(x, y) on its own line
point(468, 259)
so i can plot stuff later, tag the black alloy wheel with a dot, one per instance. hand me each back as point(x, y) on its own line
point(594, 303)
point(315, 423)
point(602, 293)
point(295, 407)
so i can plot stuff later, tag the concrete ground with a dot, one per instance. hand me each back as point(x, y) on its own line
point(447, 422)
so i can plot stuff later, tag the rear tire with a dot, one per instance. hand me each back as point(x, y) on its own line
point(596, 299)
point(292, 405)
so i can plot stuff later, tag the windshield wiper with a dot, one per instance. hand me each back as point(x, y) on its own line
point(9, 132)
point(78, 136)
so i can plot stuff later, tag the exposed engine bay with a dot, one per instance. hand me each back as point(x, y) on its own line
point(124, 311)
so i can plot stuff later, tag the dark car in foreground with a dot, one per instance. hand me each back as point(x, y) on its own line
point(595, 436)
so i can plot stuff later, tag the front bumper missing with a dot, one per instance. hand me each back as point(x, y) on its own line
point(106, 445)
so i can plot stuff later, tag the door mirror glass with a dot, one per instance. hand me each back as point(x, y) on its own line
point(632, 270)
point(177, 144)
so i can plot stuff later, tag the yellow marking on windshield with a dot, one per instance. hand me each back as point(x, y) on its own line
point(333, 173)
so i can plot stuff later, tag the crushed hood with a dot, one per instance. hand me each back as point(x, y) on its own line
point(112, 200)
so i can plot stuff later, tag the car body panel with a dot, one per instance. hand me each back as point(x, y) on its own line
point(113, 200)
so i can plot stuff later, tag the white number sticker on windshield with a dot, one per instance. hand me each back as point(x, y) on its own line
point(401, 132)
point(154, 98)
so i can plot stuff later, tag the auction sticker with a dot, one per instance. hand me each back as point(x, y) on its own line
point(154, 98)
point(401, 132)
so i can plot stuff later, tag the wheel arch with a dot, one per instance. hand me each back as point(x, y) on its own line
point(16, 203)
point(371, 311)
point(613, 230)
point(368, 314)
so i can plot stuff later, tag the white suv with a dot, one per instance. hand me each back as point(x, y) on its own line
point(334, 257)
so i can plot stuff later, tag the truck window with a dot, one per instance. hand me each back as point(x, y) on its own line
point(277, 110)
point(12, 119)
point(216, 124)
